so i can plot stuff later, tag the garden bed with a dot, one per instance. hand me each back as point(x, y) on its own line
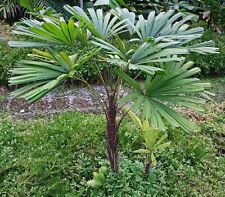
point(56, 157)
point(76, 99)
point(81, 99)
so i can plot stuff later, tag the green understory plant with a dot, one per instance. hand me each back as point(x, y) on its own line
point(98, 178)
point(11, 11)
point(8, 57)
point(155, 46)
point(154, 140)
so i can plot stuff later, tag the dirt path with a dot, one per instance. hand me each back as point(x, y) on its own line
point(76, 99)
point(5, 31)
point(80, 99)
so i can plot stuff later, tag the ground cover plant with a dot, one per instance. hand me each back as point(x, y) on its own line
point(156, 47)
point(56, 157)
point(14, 10)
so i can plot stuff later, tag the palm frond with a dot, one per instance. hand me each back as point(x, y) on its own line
point(125, 15)
point(163, 93)
point(163, 27)
point(46, 72)
point(142, 57)
point(100, 25)
point(51, 31)
point(11, 11)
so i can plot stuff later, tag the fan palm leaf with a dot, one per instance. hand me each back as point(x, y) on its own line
point(142, 57)
point(162, 27)
point(146, 55)
point(99, 24)
point(160, 94)
point(46, 72)
point(51, 31)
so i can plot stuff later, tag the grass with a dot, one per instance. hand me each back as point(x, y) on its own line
point(57, 157)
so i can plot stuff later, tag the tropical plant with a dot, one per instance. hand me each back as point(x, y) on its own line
point(57, 5)
point(125, 45)
point(11, 11)
point(153, 138)
point(145, 6)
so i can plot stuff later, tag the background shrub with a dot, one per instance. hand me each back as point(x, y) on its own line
point(211, 65)
point(8, 56)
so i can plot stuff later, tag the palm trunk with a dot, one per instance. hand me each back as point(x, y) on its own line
point(112, 133)
point(147, 165)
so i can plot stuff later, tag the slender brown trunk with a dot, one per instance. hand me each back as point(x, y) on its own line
point(112, 133)
point(147, 165)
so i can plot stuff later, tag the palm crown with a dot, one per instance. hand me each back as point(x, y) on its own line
point(155, 47)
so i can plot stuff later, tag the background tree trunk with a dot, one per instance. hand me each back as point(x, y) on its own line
point(81, 4)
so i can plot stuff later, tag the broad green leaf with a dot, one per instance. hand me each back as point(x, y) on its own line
point(142, 151)
point(134, 84)
point(133, 116)
point(151, 136)
point(162, 146)
point(153, 160)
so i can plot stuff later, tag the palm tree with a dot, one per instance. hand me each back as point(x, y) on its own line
point(155, 47)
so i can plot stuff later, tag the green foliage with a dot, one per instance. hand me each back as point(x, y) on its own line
point(98, 178)
point(11, 11)
point(211, 65)
point(61, 67)
point(8, 57)
point(2, 98)
point(216, 14)
point(101, 25)
point(159, 38)
point(210, 10)
point(111, 3)
point(57, 157)
point(153, 138)
point(163, 91)
point(50, 32)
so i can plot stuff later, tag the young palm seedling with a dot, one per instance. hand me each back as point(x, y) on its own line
point(154, 140)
